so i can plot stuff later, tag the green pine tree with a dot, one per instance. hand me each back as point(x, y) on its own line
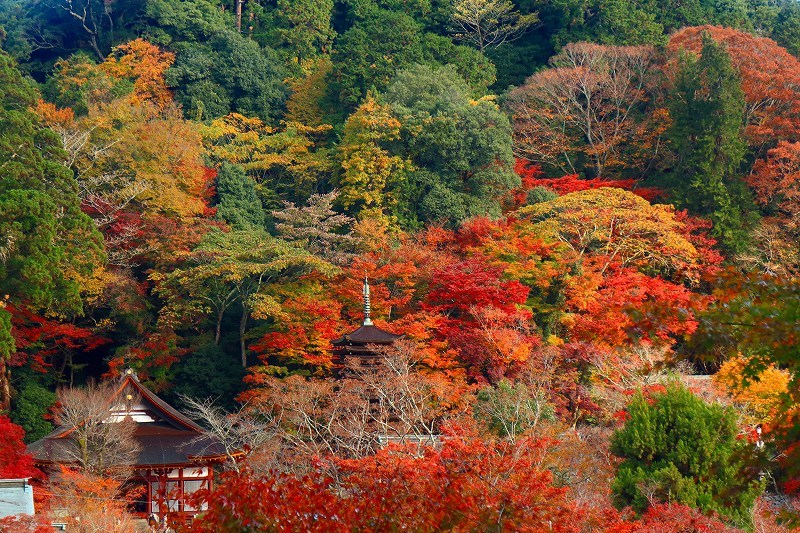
point(707, 109)
point(677, 448)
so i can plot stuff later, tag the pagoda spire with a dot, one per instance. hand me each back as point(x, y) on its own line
point(367, 307)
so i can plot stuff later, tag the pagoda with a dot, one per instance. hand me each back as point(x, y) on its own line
point(362, 345)
point(175, 458)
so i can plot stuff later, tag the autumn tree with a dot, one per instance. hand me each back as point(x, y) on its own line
point(769, 79)
point(469, 483)
point(616, 226)
point(405, 400)
point(371, 177)
point(757, 315)
point(486, 319)
point(761, 396)
point(234, 267)
point(15, 462)
point(136, 160)
point(99, 443)
point(241, 433)
point(707, 108)
point(678, 448)
point(288, 163)
point(489, 23)
point(91, 502)
point(775, 180)
point(512, 408)
point(597, 110)
point(317, 228)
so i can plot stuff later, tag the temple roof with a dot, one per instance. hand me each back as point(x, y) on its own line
point(165, 436)
point(367, 334)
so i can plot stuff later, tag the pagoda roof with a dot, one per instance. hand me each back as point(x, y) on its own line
point(367, 334)
point(165, 436)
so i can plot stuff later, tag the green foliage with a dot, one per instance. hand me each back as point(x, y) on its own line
point(173, 21)
point(707, 108)
point(470, 64)
point(40, 215)
point(540, 194)
point(787, 27)
point(32, 403)
point(239, 204)
point(207, 372)
point(300, 30)
point(228, 73)
point(367, 55)
point(461, 146)
point(677, 448)
point(7, 343)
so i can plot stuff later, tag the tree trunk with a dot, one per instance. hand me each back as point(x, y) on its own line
point(218, 332)
point(239, 15)
point(95, 47)
point(5, 386)
point(242, 331)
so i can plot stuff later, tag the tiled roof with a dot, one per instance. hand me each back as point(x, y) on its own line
point(169, 439)
point(367, 335)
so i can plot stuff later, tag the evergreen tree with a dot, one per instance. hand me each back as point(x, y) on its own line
point(707, 109)
point(228, 73)
point(46, 241)
point(239, 204)
point(677, 448)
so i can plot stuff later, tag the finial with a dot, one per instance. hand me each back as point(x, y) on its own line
point(367, 307)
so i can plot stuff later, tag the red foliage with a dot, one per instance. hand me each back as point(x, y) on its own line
point(777, 178)
point(310, 322)
point(573, 183)
point(483, 316)
point(39, 339)
point(26, 523)
point(15, 463)
point(622, 303)
point(530, 173)
point(159, 351)
point(470, 484)
point(566, 371)
point(695, 230)
point(666, 518)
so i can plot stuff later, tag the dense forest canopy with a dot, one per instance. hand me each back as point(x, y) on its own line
point(566, 207)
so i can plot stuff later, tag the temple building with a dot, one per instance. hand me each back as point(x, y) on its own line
point(175, 457)
point(361, 344)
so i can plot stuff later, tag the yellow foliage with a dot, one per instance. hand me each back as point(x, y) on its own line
point(761, 396)
point(618, 224)
point(369, 171)
point(303, 105)
point(263, 151)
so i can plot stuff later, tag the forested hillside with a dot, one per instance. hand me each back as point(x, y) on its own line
point(573, 211)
